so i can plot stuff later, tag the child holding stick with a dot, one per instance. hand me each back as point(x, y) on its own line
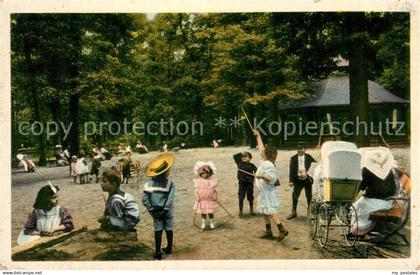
point(246, 171)
point(268, 201)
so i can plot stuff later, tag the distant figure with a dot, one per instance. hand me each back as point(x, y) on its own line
point(67, 156)
point(57, 152)
point(121, 210)
point(82, 167)
point(141, 148)
point(165, 147)
point(73, 167)
point(96, 165)
point(28, 165)
point(59, 155)
point(299, 178)
point(215, 144)
point(126, 165)
point(47, 216)
point(205, 192)
point(106, 153)
point(120, 149)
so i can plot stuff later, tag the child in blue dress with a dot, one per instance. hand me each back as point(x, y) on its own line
point(268, 201)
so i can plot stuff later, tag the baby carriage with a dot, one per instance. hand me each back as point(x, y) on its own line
point(336, 183)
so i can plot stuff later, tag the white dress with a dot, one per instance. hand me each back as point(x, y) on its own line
point(364, 207)
point(81, 168)
point(268, 201)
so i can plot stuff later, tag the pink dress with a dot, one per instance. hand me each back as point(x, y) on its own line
point(73, 169)
point(206, 189)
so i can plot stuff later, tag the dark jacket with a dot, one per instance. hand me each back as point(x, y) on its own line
point(294, 166)
point(246, 166)
point(377, 188)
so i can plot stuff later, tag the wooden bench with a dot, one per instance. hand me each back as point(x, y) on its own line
point(391, 222)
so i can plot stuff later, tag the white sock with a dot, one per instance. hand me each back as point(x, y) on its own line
point(212, 223)
point(203, 223)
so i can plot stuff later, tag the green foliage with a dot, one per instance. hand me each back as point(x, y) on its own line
point(192, 67)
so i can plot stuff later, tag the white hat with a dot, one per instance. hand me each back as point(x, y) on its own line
point(199, 164)
point(378, 160)
point(127, 150)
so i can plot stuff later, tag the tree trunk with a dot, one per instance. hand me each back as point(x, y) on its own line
point(74, 138)
point(36, 105)
point(55, 110)
point(358, 65)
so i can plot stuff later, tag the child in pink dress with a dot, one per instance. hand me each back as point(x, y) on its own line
point(205, 192)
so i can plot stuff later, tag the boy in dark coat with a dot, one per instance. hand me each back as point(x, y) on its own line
point(246, 169)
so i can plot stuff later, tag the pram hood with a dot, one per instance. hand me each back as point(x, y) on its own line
point(341, 160)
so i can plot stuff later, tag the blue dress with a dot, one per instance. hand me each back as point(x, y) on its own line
point(268, 201)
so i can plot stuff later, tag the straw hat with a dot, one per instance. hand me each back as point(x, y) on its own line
point(159, 165)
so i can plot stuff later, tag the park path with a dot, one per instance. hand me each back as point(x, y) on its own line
point(237, 239)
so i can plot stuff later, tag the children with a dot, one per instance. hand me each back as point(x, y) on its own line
point(47, 216)
point(246, 169)
point(268, 201)
point(82, 167)
point(205, 192)
point(73, 167)
point(158, 197)
point(96, 165)
point(121, 210)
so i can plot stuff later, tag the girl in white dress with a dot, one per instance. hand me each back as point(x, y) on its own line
point(268, 201)
point(82, 168)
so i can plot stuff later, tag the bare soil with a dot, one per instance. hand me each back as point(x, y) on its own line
point(234, 238)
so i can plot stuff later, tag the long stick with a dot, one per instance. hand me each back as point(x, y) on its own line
point(250, 125)
point(46, 242)
point(224, 208)
point(243, 171)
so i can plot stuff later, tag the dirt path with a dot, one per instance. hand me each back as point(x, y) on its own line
point(237, 239)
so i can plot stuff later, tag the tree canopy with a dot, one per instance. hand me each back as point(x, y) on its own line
point(78, 68)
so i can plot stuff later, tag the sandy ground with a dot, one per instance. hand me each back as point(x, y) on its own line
point(234, 239)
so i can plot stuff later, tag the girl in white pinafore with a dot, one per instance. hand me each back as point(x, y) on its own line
point(82, 168)
point(47, 216)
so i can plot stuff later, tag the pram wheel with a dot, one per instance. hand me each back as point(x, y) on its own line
point(345, 216)
point(323, 222)
point(312, 218)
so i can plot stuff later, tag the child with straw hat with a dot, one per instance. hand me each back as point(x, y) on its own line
point(158, 197)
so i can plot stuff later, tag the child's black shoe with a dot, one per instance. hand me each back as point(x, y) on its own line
point(157, 255)
point(167, 250)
